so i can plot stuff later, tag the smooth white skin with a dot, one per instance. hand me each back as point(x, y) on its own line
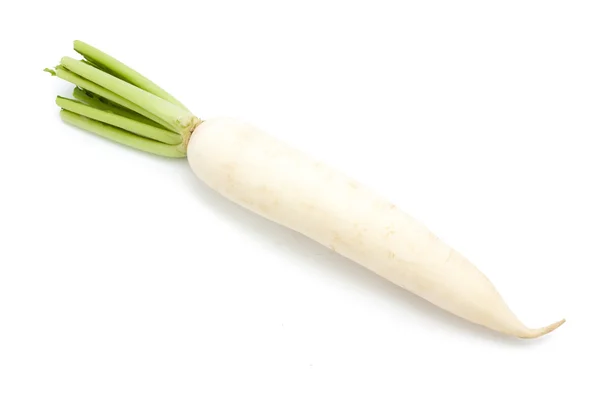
point(284, 185)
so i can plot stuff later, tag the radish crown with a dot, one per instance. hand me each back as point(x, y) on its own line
point(116, 102)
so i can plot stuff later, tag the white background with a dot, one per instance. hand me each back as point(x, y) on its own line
point(123, 277)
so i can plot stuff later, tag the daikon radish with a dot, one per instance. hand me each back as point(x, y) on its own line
point(265, 175)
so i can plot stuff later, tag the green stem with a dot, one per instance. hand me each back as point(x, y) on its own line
point(120, 70)
point(75, 79)
point(119, 121)
point(178, 118)
point(120, 136)
point(96, 101)
point(118, 103)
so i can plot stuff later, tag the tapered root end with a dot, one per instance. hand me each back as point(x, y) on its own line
point(536, 333)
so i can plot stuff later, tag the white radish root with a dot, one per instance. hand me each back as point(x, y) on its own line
point(286, 186)
point(282, 184)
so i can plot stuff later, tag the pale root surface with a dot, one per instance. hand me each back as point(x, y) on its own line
point(262, 174)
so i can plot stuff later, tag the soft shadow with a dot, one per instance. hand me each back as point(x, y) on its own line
point(314, 255)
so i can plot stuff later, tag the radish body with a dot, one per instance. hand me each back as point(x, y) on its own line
point(284, 185)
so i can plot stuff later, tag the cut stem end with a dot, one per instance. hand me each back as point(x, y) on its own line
point(120, 104)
